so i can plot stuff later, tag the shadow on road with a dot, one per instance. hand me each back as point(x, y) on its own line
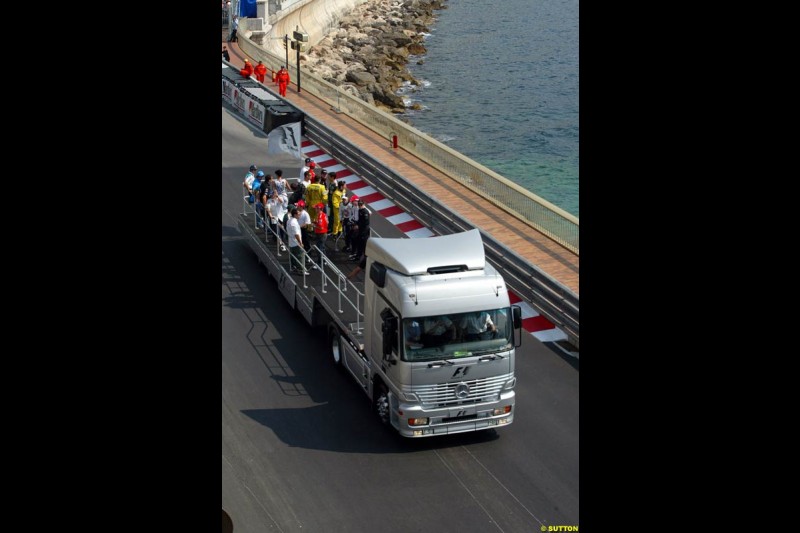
point(348, 426)
point(295, 359)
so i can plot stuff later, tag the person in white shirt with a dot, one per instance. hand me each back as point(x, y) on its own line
point(305, 224)
point(350, 219)
point(276, 208)
point(235, 28)
point(296, 249)
point(477, 325)
point(280, 182)
point(306, 181)
point(248, 180)
point(305, 169)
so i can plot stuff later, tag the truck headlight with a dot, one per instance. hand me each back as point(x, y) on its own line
point(502, 411)
point(418, 421)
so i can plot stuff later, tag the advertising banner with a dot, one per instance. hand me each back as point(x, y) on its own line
point(255, 113)
point(227, 90)
point(240, 100)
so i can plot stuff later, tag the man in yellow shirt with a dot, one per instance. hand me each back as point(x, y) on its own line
point(316, 194)
point(336, 204)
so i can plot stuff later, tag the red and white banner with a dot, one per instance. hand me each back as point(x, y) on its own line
point(240, 100)
point(255, 113)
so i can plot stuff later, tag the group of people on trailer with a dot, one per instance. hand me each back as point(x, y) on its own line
point(304, 213)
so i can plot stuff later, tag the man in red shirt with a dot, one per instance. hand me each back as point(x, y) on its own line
point(260, 71)
point(320, 229)
point(283, 80)
point(247, 71)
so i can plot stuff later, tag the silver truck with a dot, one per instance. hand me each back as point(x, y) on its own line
point(429, 336)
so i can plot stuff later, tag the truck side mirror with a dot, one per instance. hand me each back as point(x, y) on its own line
point(517, 313)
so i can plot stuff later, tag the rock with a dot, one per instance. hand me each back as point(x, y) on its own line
point(390, 99)
point(416, 49)
point(367, 55)
point(401, 39)
point(360, 78)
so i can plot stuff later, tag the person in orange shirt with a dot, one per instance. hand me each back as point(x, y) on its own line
point(283, 80)
point(247, 71)
point(260, 71)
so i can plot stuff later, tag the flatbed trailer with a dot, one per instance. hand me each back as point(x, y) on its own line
point(322, 296)
point(421, 386)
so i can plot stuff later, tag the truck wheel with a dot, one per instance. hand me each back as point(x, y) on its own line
point(382, 404)
point(335, 344)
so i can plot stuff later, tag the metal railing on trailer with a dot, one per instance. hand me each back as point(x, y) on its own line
point(348, 296)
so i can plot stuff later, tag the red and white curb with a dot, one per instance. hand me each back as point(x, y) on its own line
point(374, 199)
point(532, 321)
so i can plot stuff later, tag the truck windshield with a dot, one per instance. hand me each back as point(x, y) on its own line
point(457, 335)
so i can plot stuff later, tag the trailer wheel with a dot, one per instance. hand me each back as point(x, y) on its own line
point(335, 344)
point(382, 404)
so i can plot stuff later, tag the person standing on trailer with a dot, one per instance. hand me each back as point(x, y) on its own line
point(320, 230)
point(296, 249)
point(362, 235)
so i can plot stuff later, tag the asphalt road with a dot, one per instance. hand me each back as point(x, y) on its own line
point(301, 450)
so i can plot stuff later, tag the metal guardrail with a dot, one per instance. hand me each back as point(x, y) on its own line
point(552, 299)
point(537, 212)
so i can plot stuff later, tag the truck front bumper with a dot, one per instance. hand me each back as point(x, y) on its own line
point(454, 419)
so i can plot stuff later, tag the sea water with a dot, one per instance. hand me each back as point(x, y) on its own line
point(500, 85)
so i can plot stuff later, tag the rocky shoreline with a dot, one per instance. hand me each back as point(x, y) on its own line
point(368, 54)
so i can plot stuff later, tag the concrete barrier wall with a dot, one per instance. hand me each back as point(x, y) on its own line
point(315, 17)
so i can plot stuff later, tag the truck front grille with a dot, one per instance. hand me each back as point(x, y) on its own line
point(444, 394)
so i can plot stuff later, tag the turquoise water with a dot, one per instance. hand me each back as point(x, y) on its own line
point(501, 87)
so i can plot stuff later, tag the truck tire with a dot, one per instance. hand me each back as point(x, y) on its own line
point(335, 346)
point(381, 404)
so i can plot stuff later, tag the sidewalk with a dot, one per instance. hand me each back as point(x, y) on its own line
point(238, 57)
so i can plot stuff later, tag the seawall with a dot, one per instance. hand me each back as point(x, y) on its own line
point(314, 17)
